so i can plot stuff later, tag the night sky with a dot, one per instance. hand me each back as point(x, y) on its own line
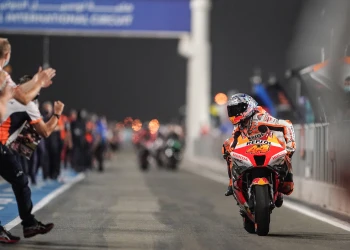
point(145, 78)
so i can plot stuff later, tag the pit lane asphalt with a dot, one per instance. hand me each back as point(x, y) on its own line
point(124, 208)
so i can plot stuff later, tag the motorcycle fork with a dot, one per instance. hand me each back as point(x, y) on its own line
point(271, 187)
point(251, 198)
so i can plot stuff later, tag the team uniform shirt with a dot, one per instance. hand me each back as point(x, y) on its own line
point(9, 79)
point(16, 115)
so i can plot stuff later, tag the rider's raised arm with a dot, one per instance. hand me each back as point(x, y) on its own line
point(26, 92)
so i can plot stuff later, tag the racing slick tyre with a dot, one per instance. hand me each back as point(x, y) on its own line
point(262, 210)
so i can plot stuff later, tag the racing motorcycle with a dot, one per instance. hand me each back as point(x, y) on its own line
point(172, 153)
point(258, 171)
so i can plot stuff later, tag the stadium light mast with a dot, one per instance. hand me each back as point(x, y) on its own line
point(197, 49)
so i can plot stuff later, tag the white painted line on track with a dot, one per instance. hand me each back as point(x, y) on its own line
point(317, 215)
point(46, 200)
point(207, 173)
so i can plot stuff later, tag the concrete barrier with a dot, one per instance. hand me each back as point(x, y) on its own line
point(321, 194)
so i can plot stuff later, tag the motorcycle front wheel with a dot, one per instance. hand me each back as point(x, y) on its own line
point(262, 210)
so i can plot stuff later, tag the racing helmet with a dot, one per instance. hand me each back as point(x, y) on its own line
point(240, 107)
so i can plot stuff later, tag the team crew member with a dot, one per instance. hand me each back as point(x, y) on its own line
point(53, 145)
point(23, 94)
point(78, 128)
point(5, 95)
point(10, 168)
point(101, 141)
point(66, 138)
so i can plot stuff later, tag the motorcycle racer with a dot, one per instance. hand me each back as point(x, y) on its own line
point(247, 117)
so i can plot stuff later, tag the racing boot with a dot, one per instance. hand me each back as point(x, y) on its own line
point(229, 191)
point(279, 200)
point(287, 185)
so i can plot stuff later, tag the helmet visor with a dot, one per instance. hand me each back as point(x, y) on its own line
point(236, 110)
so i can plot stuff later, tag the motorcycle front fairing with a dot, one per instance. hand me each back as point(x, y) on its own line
point(255, 162)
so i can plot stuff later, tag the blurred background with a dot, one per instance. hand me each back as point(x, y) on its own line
point(290, 56)
point(170, 65)
point(149, 70)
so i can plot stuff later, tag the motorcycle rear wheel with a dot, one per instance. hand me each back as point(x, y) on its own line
point(262, 210)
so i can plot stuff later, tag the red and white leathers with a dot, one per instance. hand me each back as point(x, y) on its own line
point(249, 129)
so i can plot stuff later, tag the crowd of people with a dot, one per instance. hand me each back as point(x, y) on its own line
point(81, 141)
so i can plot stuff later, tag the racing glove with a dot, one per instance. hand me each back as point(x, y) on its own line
point(290, 148)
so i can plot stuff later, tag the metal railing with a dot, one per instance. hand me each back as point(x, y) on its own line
point(323, 151)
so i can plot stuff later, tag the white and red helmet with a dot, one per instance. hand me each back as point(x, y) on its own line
point(240, 107)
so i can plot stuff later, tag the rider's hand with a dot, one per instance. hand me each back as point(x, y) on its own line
point(226, 155)
point(290, 147)
point(290, 154)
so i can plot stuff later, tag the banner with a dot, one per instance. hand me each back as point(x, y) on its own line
point(95, 17)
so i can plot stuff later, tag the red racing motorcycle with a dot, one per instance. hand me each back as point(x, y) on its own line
point(258, 170)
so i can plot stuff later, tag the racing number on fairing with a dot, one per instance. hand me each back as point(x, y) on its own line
point(259, 149)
